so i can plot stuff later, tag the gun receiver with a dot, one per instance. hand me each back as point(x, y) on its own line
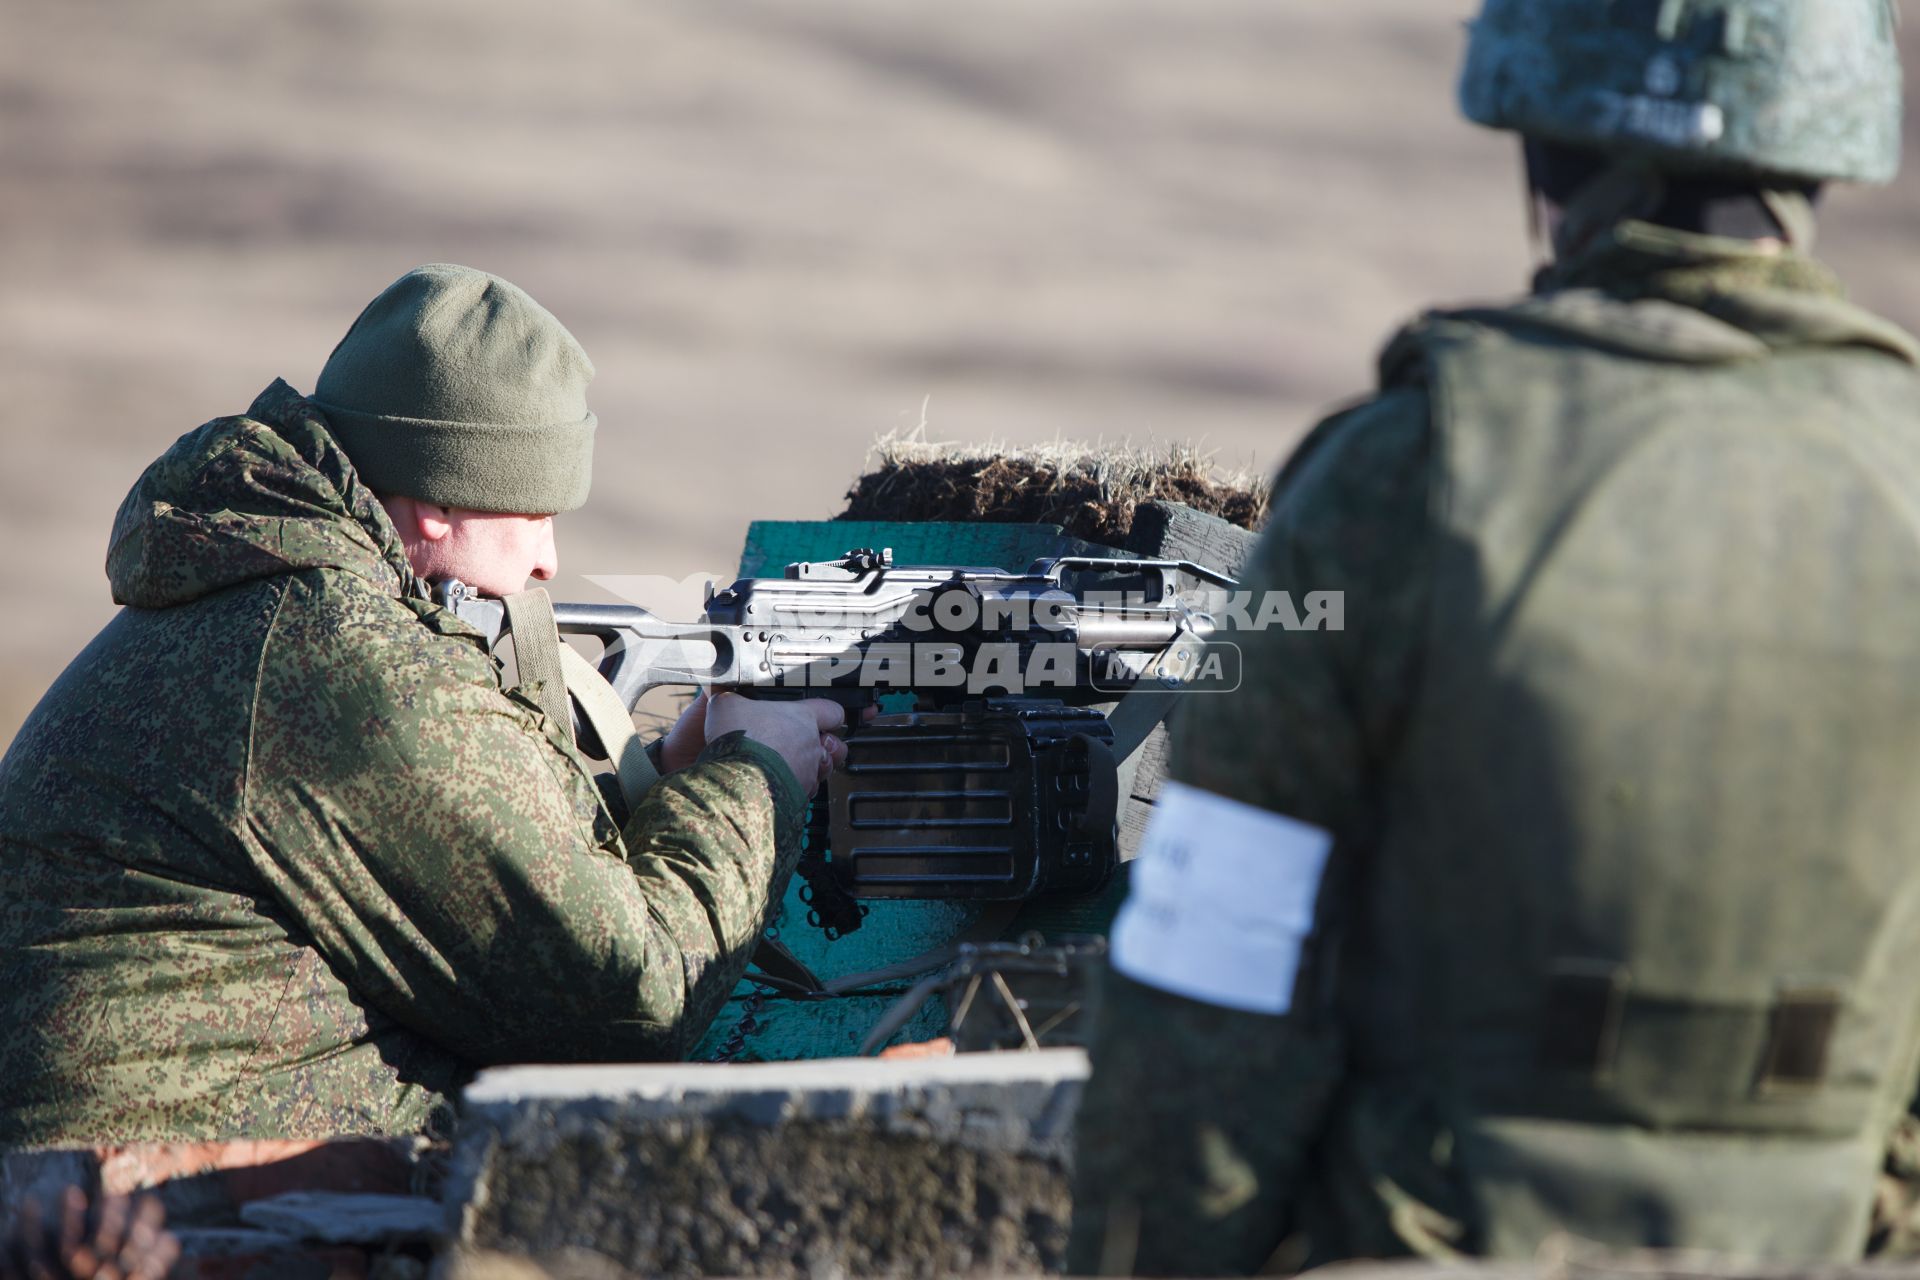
point(800, 633)
point(1001, 781)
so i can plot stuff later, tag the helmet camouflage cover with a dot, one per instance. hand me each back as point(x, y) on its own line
point(1802, 89)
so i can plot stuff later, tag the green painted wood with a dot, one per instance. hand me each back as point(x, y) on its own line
point(790, 1029)
point(774, 544)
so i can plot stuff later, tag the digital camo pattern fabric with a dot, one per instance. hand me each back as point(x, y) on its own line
point(279, 857)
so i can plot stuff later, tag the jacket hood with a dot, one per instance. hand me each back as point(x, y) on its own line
point(251, 497)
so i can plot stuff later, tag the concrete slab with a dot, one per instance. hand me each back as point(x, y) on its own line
point(855, 1167)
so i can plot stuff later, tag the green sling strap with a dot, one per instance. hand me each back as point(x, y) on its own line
point(551, 670)
point(536, 650)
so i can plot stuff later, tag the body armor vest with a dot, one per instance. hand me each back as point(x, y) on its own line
point(1643, 919)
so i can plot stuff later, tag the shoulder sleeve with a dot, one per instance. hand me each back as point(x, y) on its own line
point(453, 861)
point(1322, 700)
point(1198, 1120)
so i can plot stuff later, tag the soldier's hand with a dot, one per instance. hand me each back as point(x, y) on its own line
point(119, 1239)
point(681, 746)
point(799, 731)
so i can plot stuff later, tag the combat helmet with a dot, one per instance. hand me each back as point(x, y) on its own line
point(1805, 90)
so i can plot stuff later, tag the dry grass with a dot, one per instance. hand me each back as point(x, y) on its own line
point(1090, 489)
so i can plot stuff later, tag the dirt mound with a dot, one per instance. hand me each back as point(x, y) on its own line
point(1091, 490)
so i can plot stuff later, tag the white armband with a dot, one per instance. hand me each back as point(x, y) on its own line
point(1222, 901)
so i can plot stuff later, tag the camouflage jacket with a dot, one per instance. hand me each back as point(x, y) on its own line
point(1215, 1141)
point(280, 857)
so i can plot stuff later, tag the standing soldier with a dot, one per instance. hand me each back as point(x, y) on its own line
point(1575, 887)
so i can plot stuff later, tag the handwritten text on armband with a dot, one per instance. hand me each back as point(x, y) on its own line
point(1222, 901)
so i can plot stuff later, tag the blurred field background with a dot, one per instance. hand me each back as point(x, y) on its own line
point(778, 226)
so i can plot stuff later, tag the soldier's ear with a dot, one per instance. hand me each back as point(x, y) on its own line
point(434, 523)
point(417, 521)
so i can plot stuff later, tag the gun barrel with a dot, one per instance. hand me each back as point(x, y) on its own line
point(1136, 633)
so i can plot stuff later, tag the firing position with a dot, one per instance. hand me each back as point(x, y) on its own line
point(279, 855)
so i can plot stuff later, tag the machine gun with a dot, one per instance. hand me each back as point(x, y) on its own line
point(1001, 780)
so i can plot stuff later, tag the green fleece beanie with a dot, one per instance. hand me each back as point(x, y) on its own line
point(457, 388)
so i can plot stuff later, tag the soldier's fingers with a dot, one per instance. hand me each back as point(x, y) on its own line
point(155, 1262)
point(829, 714)
point(79, 1251)
point(836, 749)
point(107, 1237)
point(142, 1236)
point(73, 1224)
point(148, 1217)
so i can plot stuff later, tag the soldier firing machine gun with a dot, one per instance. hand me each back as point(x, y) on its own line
point(1002, 781)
